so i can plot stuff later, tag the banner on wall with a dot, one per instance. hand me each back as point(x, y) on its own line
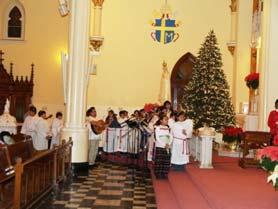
point(164, 26)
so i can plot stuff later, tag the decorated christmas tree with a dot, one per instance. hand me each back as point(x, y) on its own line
point(206, 97)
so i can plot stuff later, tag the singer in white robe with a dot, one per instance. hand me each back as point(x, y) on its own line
point(42, 132)
point(56, 128)
point(181, 132)
point(151, 139)
point(123, 135)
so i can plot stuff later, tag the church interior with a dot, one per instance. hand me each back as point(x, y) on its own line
point(124, 104)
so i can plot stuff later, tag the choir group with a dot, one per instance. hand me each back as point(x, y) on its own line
point(160, 131)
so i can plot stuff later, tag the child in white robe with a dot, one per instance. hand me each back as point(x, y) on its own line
point(172, 119)
point(29, 124)
point(42, 132)
point(56, 128)
point(163, 141)
point(182, 132)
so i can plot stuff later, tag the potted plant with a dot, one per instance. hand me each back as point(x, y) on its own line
point(231, 136)
point(268, 158)
point(252, 80)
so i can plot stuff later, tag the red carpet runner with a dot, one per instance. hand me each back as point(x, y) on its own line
point(227, 186)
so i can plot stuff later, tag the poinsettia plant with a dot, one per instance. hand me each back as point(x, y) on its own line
point(252, 80)
point(232, 134)
point(149, 107)
point(268, 158)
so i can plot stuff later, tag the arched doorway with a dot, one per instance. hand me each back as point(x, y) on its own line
point(180, 76)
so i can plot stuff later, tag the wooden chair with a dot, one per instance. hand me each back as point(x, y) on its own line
point(252, 140)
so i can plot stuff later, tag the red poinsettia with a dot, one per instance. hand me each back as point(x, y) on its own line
point(231, 134)
point(275, 140)
point(149, 107)
point(270, 152)
point(252, 80)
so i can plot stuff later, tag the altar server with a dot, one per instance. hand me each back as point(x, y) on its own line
point(182, 132)
point(163, 140)
point(56, 128)
point(43, 133)
point(29, 124)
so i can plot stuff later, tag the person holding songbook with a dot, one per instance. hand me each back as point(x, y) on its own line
point(123, 134)
point(163, 140)
point(181, 132)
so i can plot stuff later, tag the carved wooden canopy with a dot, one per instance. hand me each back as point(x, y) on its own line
point(19, 90)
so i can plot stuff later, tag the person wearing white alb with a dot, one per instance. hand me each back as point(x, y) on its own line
point(56, 128)
point(43, 134)
point(181, 132)
point(29, 124)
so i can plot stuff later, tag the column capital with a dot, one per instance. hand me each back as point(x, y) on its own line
point(98, 3)
point(233, 5)
point(231, 47)
point(96, 42)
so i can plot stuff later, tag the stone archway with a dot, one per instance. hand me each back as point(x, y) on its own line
point(180, 76)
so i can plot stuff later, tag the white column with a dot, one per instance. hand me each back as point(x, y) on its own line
point(97, 21)
point(268, 62)
point(77, 79)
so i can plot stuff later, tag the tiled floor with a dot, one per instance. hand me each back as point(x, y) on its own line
point(108, 186)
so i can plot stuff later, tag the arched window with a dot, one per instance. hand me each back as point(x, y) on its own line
point(14, 23)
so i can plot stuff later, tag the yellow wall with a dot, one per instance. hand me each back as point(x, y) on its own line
point(45, 37)
point(130, 64)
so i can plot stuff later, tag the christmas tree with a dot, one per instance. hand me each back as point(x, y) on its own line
point(206, 97)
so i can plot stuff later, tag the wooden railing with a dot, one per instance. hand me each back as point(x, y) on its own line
point(36, 176)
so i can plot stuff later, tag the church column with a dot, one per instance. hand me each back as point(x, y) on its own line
point(232, 46)
point(96, 39)
point(77, 80)
point(255, 39)
point(268, 62)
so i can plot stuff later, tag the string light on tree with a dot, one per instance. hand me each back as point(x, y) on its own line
point(206, 97)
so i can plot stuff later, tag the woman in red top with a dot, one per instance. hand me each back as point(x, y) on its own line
point(273, 120)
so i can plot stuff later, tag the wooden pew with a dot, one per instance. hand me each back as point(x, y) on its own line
point(63, 164)
point(37, 176)
point(6, 178)
point(36, 173)
point(23, 149)
point(252, 140)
